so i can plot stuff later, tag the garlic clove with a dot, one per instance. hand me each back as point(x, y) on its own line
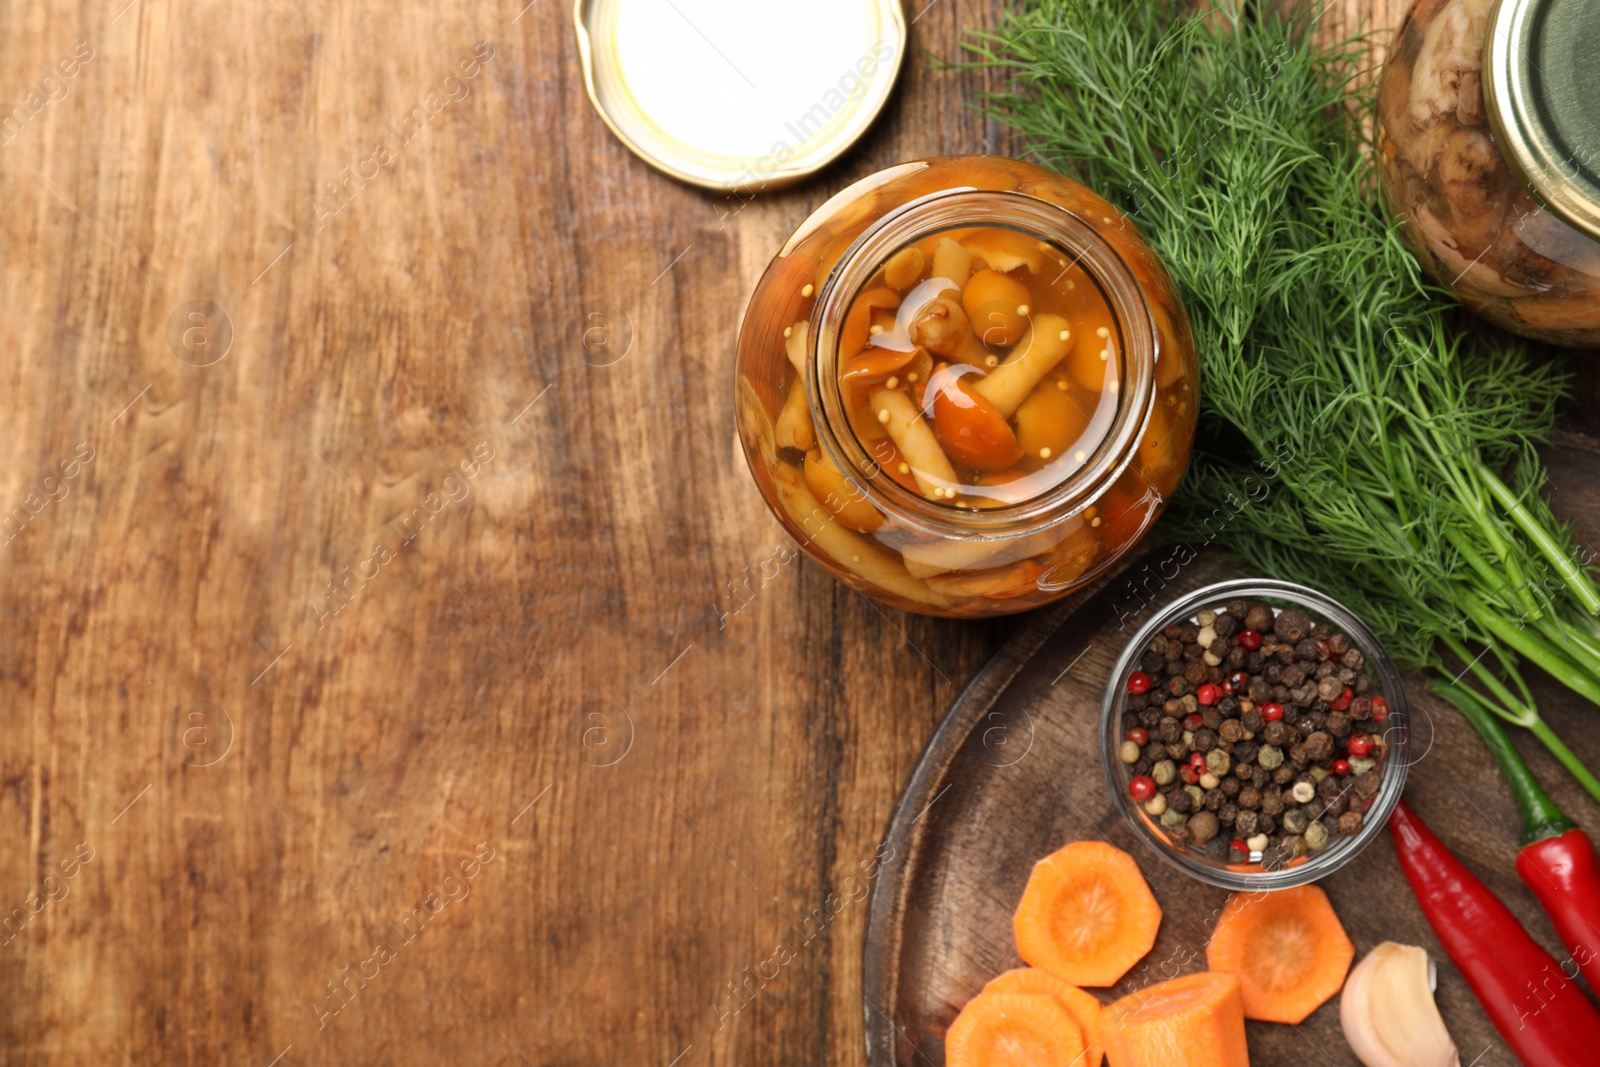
point(1388, 1014)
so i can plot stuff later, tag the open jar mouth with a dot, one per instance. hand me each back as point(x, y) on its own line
point(1135, 347)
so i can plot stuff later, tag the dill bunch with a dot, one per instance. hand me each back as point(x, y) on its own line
point(1399, 457)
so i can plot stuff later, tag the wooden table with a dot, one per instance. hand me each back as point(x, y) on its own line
point(373, 692)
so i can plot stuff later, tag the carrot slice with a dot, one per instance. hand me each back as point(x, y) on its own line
point(1196, 1020)
point(1087, 915)
point(1288, 949)
point(1080, 1005)
point(1014, 1030)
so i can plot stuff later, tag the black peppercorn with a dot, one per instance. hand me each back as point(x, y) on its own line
point(1319, 746)
point(1253, 720)
point(1291, 625)
point(1180, 801)
point(1228, 813)
point(1337, 724)
point(1204, 740)
point(1230, 786)
point(1245, 824)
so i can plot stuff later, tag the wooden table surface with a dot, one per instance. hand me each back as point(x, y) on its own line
point(411, 683)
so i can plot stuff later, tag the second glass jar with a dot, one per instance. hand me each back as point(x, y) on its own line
point(966, 386)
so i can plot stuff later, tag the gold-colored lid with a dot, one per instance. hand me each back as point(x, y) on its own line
point(1541, 82)
point(734, 94)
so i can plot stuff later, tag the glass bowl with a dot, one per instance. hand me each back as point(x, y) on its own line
point(1391, 768)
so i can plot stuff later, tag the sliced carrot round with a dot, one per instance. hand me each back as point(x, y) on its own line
point(1087, 915)
point(1082, 1006)
point(1014, 1030)
point(1287, 947)
point(1196, 1020)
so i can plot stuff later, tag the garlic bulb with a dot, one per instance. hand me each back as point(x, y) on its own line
point(1388, 1013)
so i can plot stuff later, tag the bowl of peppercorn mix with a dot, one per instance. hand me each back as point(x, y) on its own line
point(1256, 734)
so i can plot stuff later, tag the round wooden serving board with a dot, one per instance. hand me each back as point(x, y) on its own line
point(1013, 773)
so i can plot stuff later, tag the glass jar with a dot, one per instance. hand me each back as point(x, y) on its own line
point(1392, 753)
point(1488, 149)
point(966, 386)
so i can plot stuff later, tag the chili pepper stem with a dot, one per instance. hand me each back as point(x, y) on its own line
point(1541, 818)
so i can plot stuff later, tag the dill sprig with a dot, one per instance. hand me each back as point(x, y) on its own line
point(1398, 455)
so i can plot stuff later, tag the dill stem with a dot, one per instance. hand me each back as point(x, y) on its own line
point(1580, 584)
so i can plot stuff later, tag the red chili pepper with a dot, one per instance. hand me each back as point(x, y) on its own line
point(1543, 1017)
point(1557, 860)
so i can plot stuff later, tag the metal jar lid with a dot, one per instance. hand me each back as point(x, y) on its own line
point(1541, 82)
point(730, 94)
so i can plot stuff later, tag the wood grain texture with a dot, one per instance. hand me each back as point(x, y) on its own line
point(548, 632)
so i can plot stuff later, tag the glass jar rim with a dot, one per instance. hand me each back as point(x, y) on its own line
point(1131, 316)
point(1532, 93)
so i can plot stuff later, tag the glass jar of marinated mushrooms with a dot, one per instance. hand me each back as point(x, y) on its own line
point(966, 386)
point(1489, 149)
